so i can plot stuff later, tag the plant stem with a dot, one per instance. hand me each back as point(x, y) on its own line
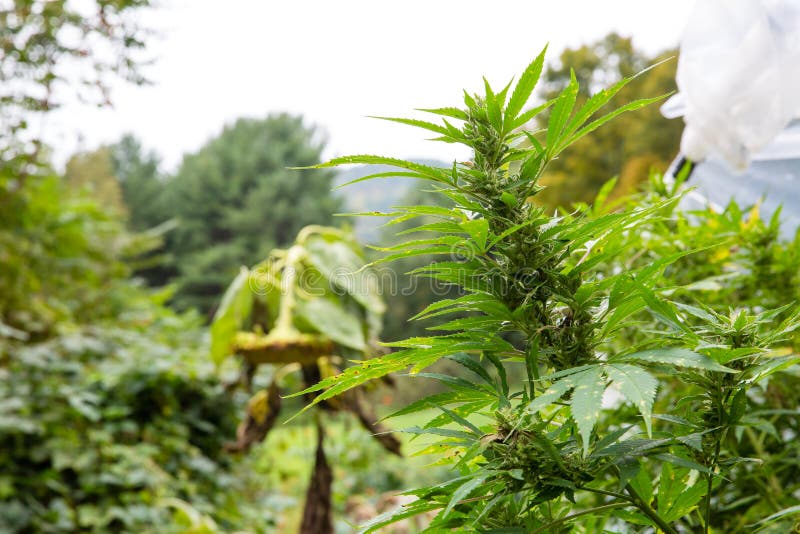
point(596, 509)
point(284, 321)
point(712, 468)
point(648, 511)
point(609, 493)
point(532, 365)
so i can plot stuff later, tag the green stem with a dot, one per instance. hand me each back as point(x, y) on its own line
point(719, 398)
point(648, 511)
point(532, 365)
point(712, 468)
point(286, 310)
point(588, 511)
point(609, 493)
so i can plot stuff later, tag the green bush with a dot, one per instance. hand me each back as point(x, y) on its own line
point(111, 417)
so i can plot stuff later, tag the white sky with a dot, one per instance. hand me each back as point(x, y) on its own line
point(337, 62)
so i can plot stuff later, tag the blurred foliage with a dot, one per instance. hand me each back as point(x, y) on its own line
point(61, 257)
point(49, 49)
point(363, 474)
point(93, 173)
point(109, 421)
point(307, 310)
point(141, 183)
point(96, 437)
point(107, 417)
point(626, 147)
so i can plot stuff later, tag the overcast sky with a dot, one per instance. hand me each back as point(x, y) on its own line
point(336, 62)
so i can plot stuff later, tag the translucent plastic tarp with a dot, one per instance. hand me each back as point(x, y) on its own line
point(739, 77)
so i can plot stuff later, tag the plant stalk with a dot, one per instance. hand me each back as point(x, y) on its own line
point(639, 502)
point(283, 323)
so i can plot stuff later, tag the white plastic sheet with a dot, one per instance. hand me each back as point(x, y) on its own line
point(739, 77)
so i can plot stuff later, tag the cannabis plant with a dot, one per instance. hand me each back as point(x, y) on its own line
point(740, 263)
point(554, 429)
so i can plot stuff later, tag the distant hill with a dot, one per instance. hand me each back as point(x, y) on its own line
point(380, 194)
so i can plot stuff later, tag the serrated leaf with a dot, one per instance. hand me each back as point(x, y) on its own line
point(561, 113)
point(632, 447)
point(443, 432)
point(643, 485)
point(682, 462)
point(470, 363)
point(697, 312)
point(355, 376)
point(441, 240)
point(587, 401)
point(597, 123)
point(442, 227)
point(567, 372)
point(675, 499)
point(388, 174)
point(478, 230)
point(501, 373)
point(422, 171)
point(464, 491)
point(771, 366)
point(455, 381)
point(410, 212)
point(417, 507)
point(418, 123)
point(551, 394)
point(531, 113)
point(622, 311)
point(524, 88)
point(601, 98)
point(501, 96)
point(439, 399)
point(513, 230)
point(462, 410)
point(451, 112)
point(456, 418)
point(786, 512)
point(664, 311)
point(678, 357)
point(638, 386)
point(492, 107)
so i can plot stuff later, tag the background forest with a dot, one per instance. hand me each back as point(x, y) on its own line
point(113, 416)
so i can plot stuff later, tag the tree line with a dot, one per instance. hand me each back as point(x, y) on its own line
point(228, 204)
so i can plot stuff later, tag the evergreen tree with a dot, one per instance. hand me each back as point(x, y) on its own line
point(236, 199)
point(142, 186)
